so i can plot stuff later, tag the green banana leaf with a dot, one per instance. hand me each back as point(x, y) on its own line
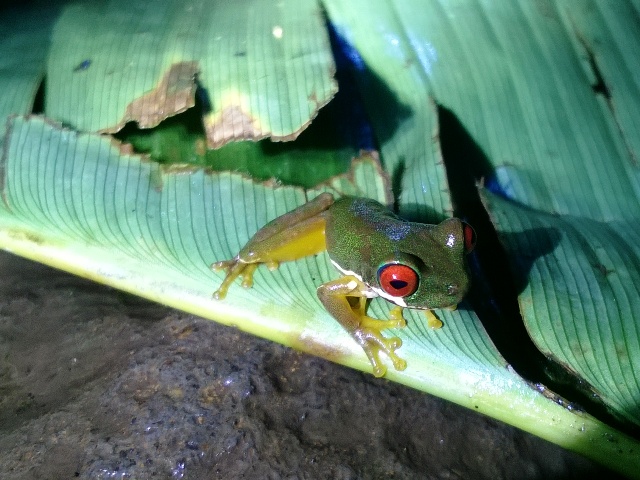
point(557, 159)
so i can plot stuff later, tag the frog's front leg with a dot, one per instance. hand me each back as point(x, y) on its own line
point(345, 300)
point(294, 235)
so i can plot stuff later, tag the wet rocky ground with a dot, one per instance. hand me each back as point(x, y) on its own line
point(95, 383)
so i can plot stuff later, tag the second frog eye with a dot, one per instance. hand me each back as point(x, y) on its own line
point(398, 280)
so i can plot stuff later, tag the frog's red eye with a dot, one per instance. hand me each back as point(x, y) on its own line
point(398, 280)
point(469, 237)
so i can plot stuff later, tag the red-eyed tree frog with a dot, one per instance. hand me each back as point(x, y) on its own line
point(412, 265)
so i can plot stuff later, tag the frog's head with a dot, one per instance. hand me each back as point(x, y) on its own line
point(427, 270)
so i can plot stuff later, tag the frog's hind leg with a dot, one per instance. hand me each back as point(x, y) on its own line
point(294, 235)
point(298, 215)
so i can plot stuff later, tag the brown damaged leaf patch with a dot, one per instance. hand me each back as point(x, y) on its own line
point(233, 124)
point(174, 94)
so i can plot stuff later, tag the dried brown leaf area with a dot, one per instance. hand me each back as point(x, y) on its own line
point(232, 123)
point(174, 94)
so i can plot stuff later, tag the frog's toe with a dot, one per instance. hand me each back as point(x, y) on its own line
point(398, 363)
point(373, 354)
point(373, 343)
point(392, 344)
point(272, 265)
point(395, 314)
point(247, 275)
point(397, 322)
point(222, 265)
point(433, 322)
point(389, 347)
point(220, 294)
point(379, 369)
point(379, 325)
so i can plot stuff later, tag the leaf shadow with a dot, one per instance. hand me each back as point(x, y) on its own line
point(500, 267)
point(370, 97)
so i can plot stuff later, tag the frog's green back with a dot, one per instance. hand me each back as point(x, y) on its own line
point(359, 235)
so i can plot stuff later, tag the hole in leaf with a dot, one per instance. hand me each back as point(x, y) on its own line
point(324, 149)
point(38, 100)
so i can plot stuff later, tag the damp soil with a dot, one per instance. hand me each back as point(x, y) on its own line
point(98, 384)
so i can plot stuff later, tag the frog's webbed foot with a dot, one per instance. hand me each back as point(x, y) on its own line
point(372, 342)
point(234, 268)
point(345, 300)
point(369, 336)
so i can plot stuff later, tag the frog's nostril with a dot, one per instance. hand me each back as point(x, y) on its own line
point(452, 289)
